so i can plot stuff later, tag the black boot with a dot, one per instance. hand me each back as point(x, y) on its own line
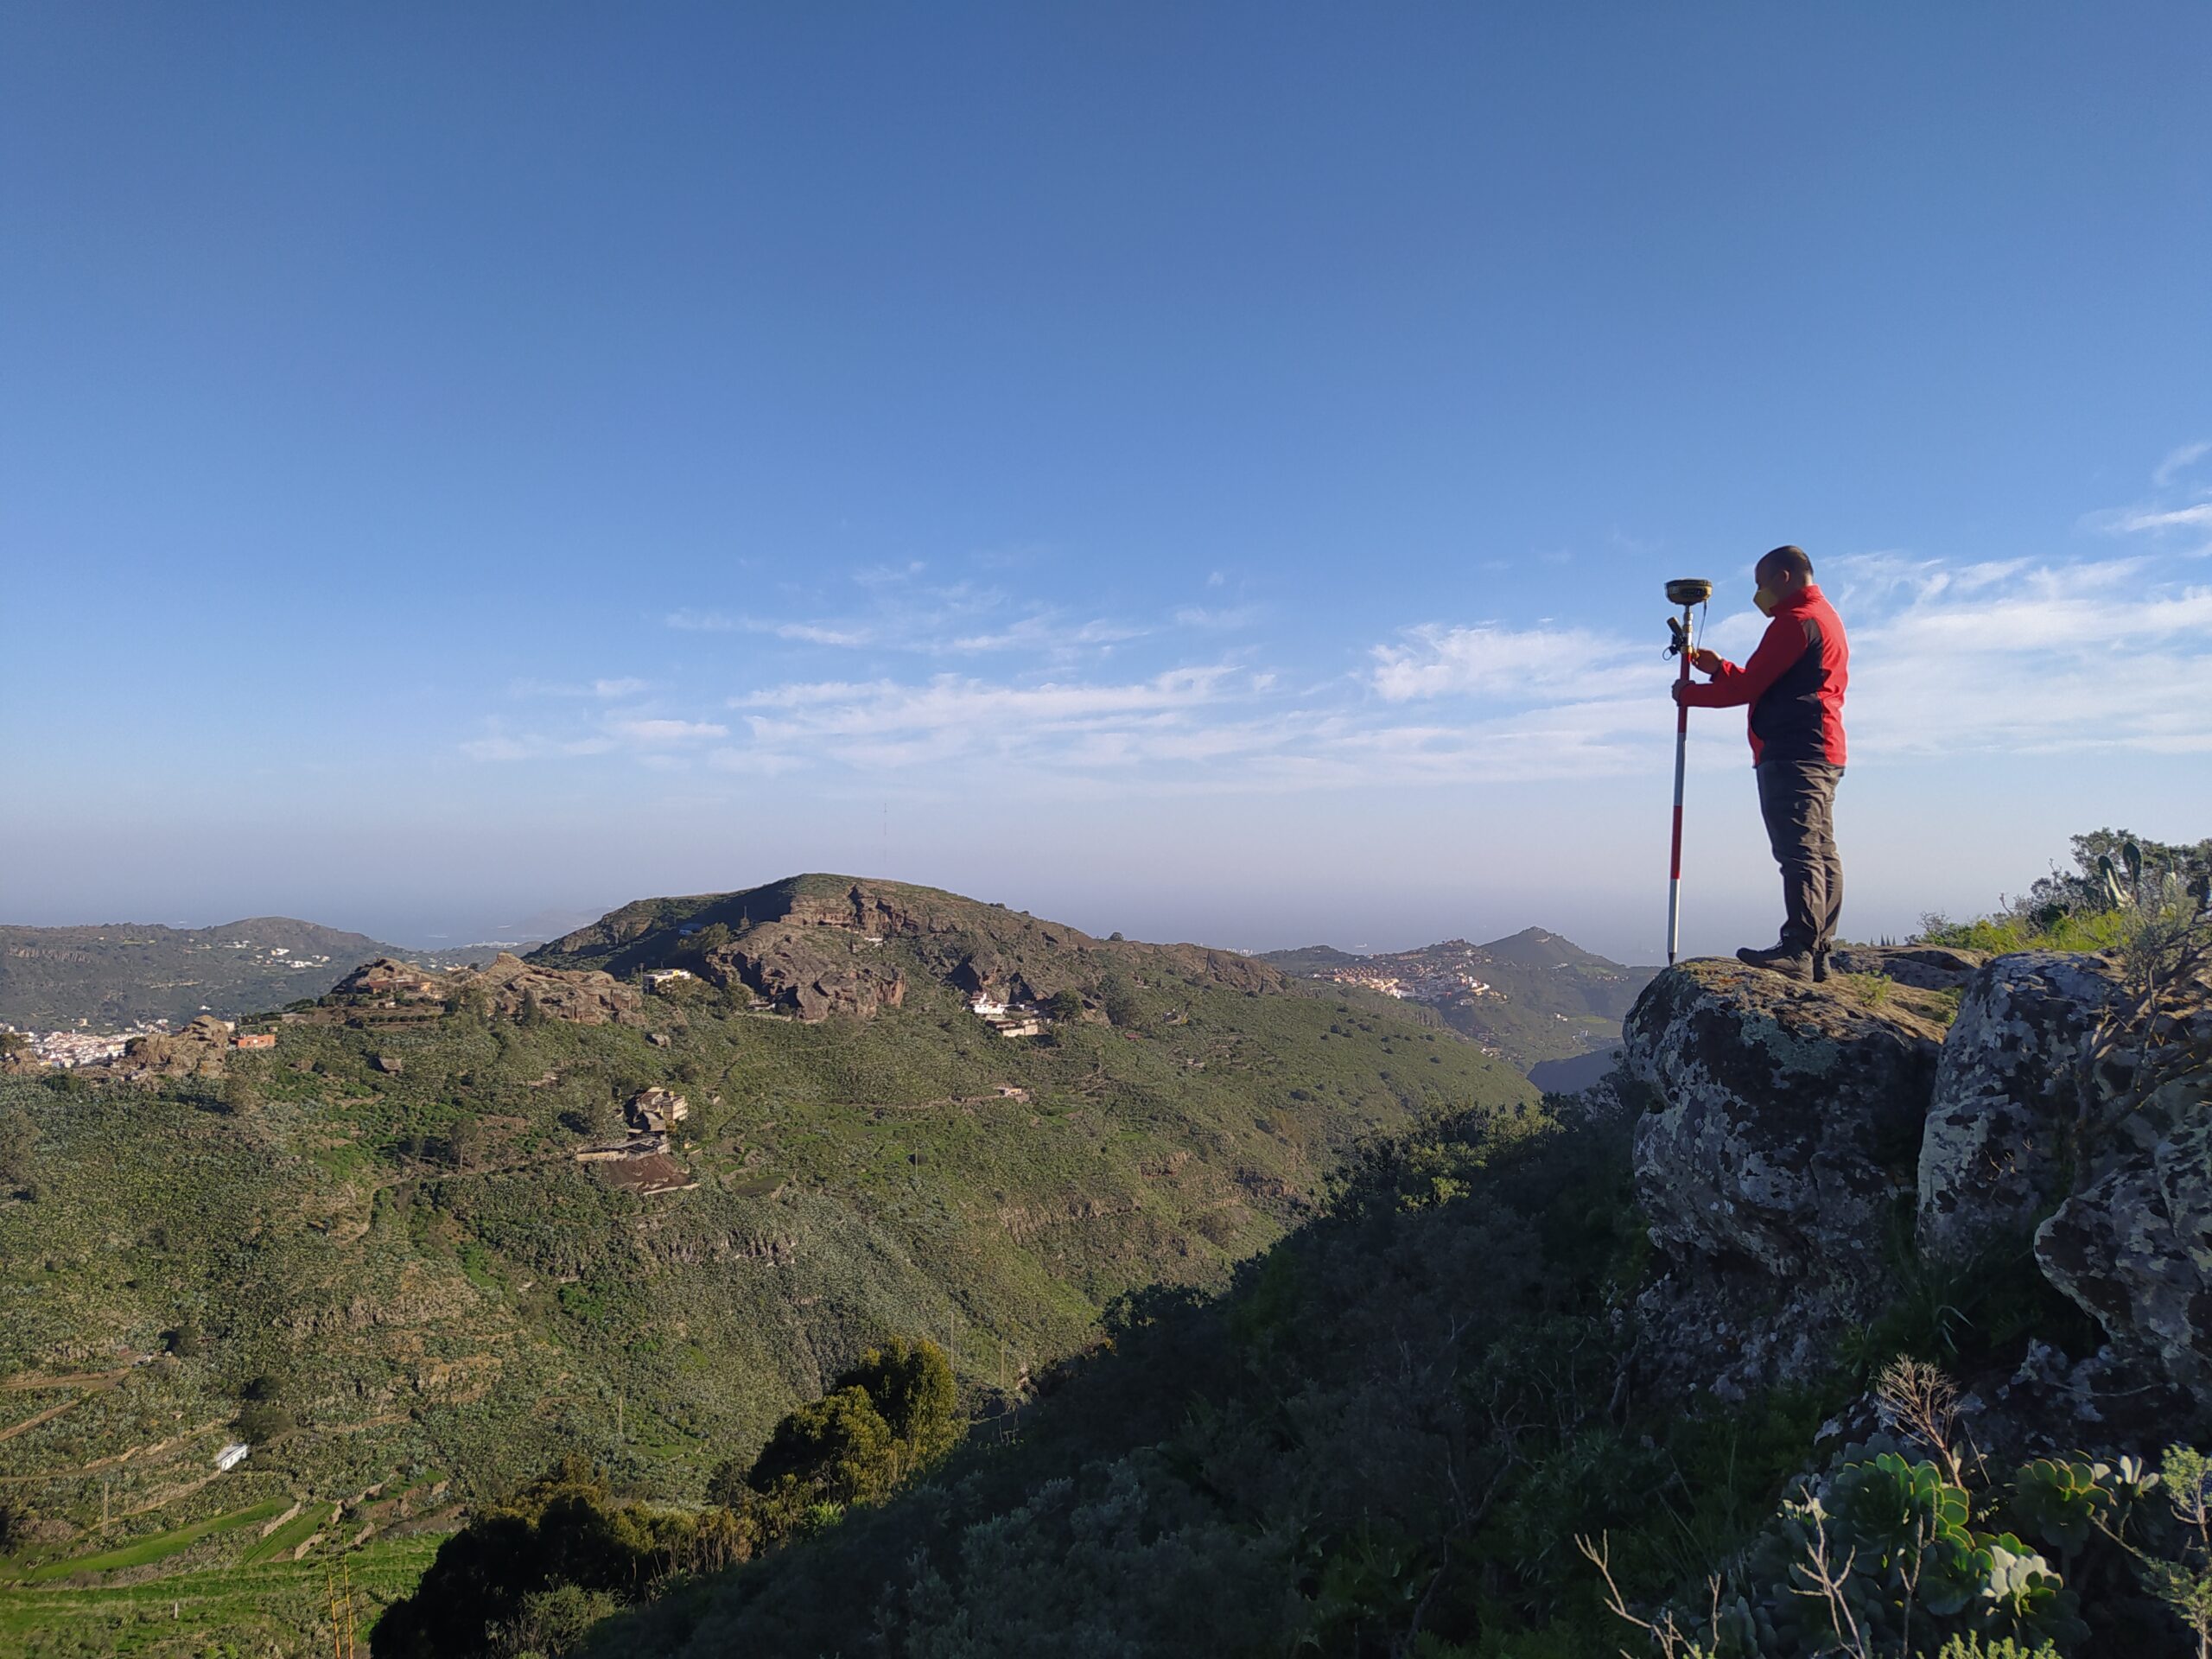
point(1779, 959)
point(1819, 967)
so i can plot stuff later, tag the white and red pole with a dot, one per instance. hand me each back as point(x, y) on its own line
point(1689, 594)
point(1681, 761)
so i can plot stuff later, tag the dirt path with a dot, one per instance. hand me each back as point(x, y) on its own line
point(46, 1416)
point(116, 1461)
point(23, 1381)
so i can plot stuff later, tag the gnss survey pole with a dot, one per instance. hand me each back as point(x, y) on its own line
point(1687, 594)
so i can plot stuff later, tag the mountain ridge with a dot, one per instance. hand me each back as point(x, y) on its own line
point(1535, 997)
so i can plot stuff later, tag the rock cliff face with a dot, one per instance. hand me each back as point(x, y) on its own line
point(1799, 1146)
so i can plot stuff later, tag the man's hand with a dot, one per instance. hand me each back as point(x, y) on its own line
point(1680, 686)
point(1705, 661)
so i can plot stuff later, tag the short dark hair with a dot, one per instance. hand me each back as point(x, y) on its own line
point(1789, 558)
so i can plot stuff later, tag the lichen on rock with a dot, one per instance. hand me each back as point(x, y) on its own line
point(1991, 1158)
point(1792, 1129)
point(1784, 1119)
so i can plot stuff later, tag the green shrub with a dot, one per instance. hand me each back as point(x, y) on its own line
point(18, 1136)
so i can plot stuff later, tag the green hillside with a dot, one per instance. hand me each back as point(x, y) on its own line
point(1531, 998)
point(123, 974)
point(371, 1249)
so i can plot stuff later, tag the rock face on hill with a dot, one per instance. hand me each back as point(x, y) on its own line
point(376, 990)
point(813, 945)
point(1794, 1137)
point(196, 1050)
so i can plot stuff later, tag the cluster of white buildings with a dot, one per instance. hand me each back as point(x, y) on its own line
point(1436, 987)
point(73, 1048)
point(274, 956)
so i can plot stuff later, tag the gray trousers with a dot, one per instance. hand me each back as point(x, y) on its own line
point(1797, 800)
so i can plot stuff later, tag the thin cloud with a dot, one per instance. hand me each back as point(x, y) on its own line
point(1046, 634)
point(606, 689)
point(2170, 519)
point(2192, 511)
point(955, 704)
point(1217, 619)
point(809, 633)
point(1486, 660)
point(2179, 461)
point(664, 733)
point(501, 746)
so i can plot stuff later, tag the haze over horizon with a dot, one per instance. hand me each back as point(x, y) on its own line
point(1167, 474)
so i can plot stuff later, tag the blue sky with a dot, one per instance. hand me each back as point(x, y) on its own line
point(1202, 470)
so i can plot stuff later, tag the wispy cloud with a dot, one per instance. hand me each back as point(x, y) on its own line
point(2018, 655)
point(2167, 519)
point(2181, 505)
point(2180, 460)
point(499, 743)
point(1217, 619)
point(666, 733)
point(954, 619)
point(1045, 631)
point(808, 634)
point(606, 690)
point(1484, 659)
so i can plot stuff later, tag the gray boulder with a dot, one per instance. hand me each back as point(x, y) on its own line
point(2133, 1245)
point(1992, 1155)
point(1782, 1129)
point(2135, 1249)
point(1922, 967)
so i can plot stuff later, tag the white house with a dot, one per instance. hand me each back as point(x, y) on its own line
point(230, 1456)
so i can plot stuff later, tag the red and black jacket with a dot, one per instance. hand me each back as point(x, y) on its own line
point(1794, 684)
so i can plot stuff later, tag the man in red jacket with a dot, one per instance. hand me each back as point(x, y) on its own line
point(1794, 684)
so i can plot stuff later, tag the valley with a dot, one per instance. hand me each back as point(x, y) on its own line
point(371, 1253)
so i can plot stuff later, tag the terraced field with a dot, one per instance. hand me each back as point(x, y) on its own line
point(248, 1605)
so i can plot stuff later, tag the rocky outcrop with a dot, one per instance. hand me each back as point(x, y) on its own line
point(812, 977)
point(2132, 1242)
point(2008, 1088)
point(584, 999)
point(197, 1050)
point(383, 979)
point(388, 991)
point(1788, 1130)
point(1783, 1127)
point(2135, 1249)
point(1922, 967)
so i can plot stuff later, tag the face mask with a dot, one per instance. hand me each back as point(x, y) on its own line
point(1766, 600)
